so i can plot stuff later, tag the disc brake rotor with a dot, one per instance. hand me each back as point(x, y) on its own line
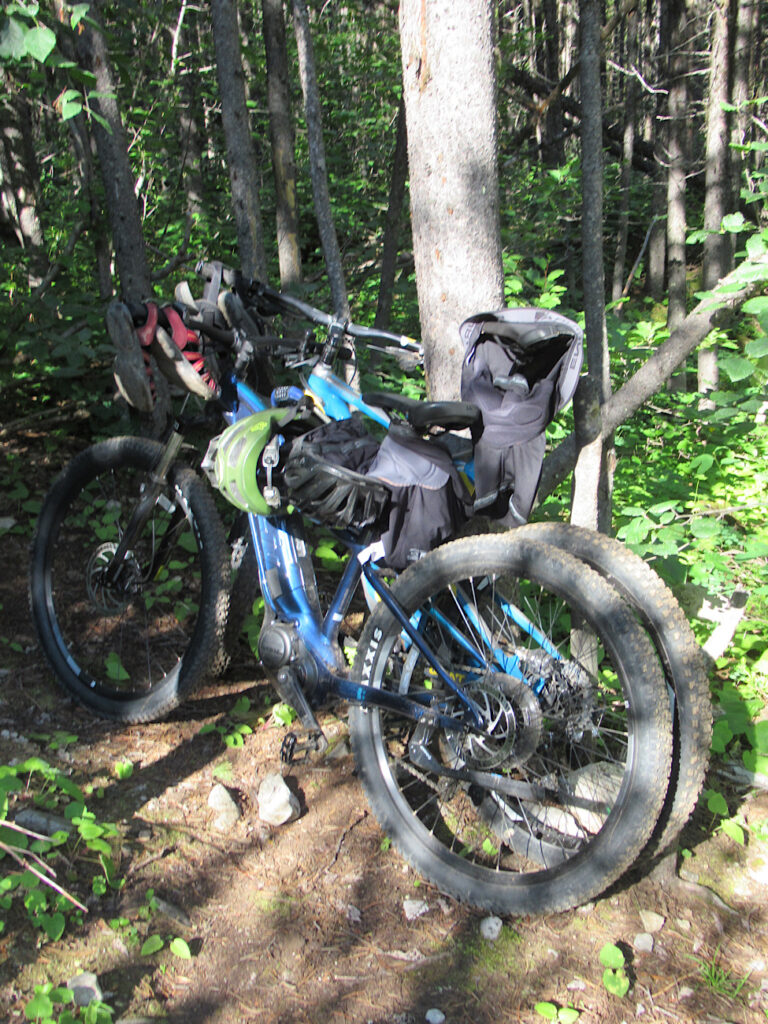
point(514, 724)
point(110, 598)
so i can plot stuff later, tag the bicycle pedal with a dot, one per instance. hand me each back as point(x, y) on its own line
point(295, 751)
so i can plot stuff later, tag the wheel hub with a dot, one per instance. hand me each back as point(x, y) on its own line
point(513, 729)
point(110, 596)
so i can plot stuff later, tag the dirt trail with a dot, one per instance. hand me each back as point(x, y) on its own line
point(306, 922)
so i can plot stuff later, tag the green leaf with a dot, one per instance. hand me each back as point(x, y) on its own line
point(616, 982)
point(39, 42)
point(754, 762)
point(757, 305)
point(611, 956)
point(757, 348)
point(733, 830)
point(78, 13)
point(39, 1006)
point(737, 367)
point(548, 1010)
point(733, 222)
point(180, 949)
point(705, 528)
point(757, 734)
point(12, 40)
point(124, 769)
point(152, 945)
point(568, 1015)
point(722, 734)
point(53, 926)
point(114, 667)
point(716, 803)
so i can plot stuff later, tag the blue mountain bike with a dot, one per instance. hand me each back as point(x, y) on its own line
point(508, 712)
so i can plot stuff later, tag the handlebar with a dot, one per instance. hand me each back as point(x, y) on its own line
point(269, 302)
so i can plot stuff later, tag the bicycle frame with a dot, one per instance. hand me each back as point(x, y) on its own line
point(288, 585)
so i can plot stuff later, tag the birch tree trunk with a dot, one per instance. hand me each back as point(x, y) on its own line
point(449, 87)
point(241, 153)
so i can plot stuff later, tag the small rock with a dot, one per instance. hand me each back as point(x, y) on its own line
point(277, 804)
point(683, 925)
point(85, 988)
point(643, 942)
point(172, 912)
point(353, 914)
point(414, 908)
point(577, 985)
point(434, 1016)
point(42, 821)
point(338, 751)
point(685, 992)
point(7, 522)
point(490, 928)
point(652, 922)
point(221, 801)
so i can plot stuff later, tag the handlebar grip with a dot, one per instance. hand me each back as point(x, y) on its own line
point(286, 393)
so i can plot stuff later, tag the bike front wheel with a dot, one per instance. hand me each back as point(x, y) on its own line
point(130, 644)
point(555, 799)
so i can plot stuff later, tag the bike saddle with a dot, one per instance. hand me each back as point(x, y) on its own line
point(420, 415)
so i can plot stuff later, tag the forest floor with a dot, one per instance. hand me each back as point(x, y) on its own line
point(306, 922)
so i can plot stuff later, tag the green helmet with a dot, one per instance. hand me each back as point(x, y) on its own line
point(234, 457)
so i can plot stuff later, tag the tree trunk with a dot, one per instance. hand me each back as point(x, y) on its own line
point(553, 153)
point(241, 153)
point(116, 173)
point(318, 169)
point(392, 225)
point(18, 169)
point(282, 140)
point(676, 164)
point(450, 101)
point(592, 494)
point(630, 98)
point(718, 248)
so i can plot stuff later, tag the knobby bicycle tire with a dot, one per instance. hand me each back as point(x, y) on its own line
point(587, 734)
point(684, 664)
point(131, 648)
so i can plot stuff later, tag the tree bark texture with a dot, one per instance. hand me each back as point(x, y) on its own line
point(392, 225)
point(282, 141)
point(593, 483)
point(717, 246)
point(677, 113)
point(318, 169)
point(241, 153)
point(117, 175)
point(630, 95)
point(450, 100)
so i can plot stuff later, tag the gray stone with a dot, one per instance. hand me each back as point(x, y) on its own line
point(652, 922)
point(277, 804)
point(643, 942)
point(490, 928)
point(85, 988)
point(434, 1016)
point(42, 821)
point(228, 813)
point(414, 908)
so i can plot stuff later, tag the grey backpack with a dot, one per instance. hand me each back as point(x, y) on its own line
point(521, 368)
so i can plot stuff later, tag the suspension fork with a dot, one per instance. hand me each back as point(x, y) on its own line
point(143, 510)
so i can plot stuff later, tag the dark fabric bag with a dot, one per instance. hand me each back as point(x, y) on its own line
point(429, 501)
point(521, 368)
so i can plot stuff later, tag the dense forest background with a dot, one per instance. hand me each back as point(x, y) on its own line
point(139, 137)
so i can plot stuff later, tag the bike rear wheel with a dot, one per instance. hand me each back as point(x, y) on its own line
point(131, 645)
point(581, 730)
point(685, 669)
